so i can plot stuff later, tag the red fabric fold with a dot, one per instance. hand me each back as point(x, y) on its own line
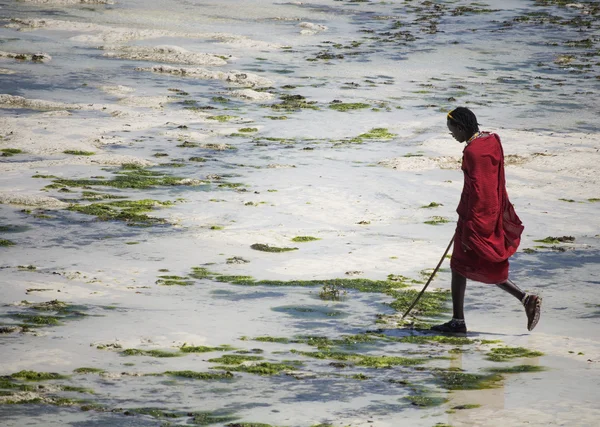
point(487, 223)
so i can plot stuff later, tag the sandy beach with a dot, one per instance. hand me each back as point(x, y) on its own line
point(216, 212)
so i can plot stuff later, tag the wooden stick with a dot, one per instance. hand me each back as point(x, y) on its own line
point(429, 281)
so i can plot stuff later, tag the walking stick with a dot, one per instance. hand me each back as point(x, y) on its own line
point(429, 281)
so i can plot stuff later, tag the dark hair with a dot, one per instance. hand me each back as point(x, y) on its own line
point(465, 118)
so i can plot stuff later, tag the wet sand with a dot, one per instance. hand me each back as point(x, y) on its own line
point(146, 153)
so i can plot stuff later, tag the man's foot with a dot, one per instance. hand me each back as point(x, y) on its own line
point(533, 307)
point(454, 326)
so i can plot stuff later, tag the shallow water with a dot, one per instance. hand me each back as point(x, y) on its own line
point(308, 175)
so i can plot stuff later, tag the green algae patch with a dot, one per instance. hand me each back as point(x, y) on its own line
point(304, 239)
point(556, 240)
point(377, 133)
point(280, 340)
point(294, 103)
point(86, 370)
point(431, 205)
point(6, 243)
point(235, 359)
point(132, 212)
point(151, 353)
point(221, 118)
point(332, 292)
point(263, 368)
point(202, 273)
point(203, 349)
point(248, 130)
point(267, 248)
point(436, 220)
point(38, 376)
point(208, 418)
point(79, 152)
point(94, 195)
point(503, 354)
point(454, 380)
point(517, 369)
point(431, 303)
point(173, 281)
point(441, 339)
point(37, 320)
point(377, 362)
point(347, 106)
point(200, 375)
point(466, 406)
point(9, 152)
point(235, 280)
point(424, 401)
point(129, 176)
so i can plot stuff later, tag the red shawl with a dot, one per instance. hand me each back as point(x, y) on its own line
point(488, 223)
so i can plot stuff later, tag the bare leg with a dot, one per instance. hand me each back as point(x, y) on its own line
point(459, 284)
point(510, 287)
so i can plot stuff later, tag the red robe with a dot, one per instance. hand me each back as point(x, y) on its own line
point(487, 222)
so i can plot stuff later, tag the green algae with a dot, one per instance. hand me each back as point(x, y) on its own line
point(6, 243)
point(454, 380)
point(517, 369)
point(9, 152)
point(262, 368)
point(221, 118)
point(235, 359)
point(466, 406)
point(248, 130)
point(424, 401)
point(202, 273)
point(332, 292)
point(38, 376)
point(435, 220)
point(93, 195)
point(377, 133)
point(377, 362)
point(151, 353)
point(79, 152)
point(267, 248)
point(200, 375)
point(556, 240)
point(173, 281)
point(277, 117)
point(208, 418)
point(347, 106)
point(304, 239)
point(431, 205)
point(294, 103)
point(441, 339)
point(86, 370)
point(203, 349)
point(132, 212)
point(280, 340)
point(503, 354)
point(76, 389)
point(129, 176)
point(37, 320)
point(431, 303)
point(197, 159)
point(188, 144)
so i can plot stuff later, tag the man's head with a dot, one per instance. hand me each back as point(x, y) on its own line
point(462, 124)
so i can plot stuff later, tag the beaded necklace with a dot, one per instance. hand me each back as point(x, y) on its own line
point(475, 136)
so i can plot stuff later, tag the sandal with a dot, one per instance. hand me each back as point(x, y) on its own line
point(453, 326)
point(533, 307)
